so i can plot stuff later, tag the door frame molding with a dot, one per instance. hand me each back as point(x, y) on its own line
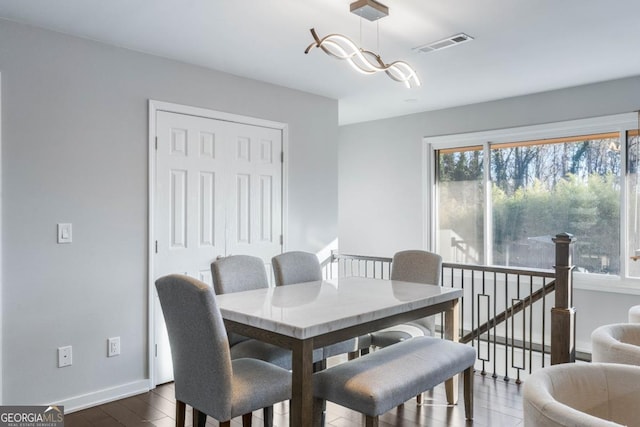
point(154, 107)
point(1, 245)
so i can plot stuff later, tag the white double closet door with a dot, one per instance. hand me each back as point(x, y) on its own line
point(218, 192)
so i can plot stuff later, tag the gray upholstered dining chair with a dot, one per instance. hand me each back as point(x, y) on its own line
point(205, 377)
point(296, 267)
point(299, 267)
point(237, 273)
point(411, 266)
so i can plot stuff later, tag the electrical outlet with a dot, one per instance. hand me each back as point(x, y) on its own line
point(64, 356)
point(113, 346)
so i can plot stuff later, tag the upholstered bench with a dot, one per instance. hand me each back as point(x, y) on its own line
point(375, 383)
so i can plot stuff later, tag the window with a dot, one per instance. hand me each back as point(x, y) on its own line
point(633, 201)
point(500, 197)
point(461, 204)
point(567, 184)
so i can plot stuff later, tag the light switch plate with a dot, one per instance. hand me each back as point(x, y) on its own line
point(64, 233)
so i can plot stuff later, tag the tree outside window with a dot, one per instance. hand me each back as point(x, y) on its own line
point(568, 184)
point(538, 188)
point(461, 205)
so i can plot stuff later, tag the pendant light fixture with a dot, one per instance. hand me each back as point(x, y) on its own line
point(361, 60)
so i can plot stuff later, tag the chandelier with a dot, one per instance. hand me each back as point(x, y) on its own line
point(361, 60)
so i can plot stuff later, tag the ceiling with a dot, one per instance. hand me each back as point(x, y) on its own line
point(520, 46)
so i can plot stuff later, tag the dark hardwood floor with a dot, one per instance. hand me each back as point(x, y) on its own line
point(496, 403)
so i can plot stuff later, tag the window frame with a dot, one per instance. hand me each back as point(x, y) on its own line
point(619, 123)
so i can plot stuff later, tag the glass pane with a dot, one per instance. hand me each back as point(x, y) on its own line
point(633, 202)
point(540, 189)
point(460, 230)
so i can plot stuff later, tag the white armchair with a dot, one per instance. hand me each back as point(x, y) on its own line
point(617, 343)
point(586, 395)
point(634, 314)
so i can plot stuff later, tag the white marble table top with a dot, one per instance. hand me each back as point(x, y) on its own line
point(310, 309)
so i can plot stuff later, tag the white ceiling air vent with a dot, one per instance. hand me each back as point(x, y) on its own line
point(444, 43)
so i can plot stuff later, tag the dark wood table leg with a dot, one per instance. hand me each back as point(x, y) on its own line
point(452, 332)
point(181, 409)
point(301, 410)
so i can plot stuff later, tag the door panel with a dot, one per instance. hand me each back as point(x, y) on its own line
point(188, 209)
point(255, 219)
point(189, 202)
point(218, 192)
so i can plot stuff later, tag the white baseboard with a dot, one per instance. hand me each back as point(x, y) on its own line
point(106, 395)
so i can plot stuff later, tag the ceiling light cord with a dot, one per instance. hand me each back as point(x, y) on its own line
point(378, 41)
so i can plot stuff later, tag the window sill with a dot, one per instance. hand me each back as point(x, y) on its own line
point(605, 283)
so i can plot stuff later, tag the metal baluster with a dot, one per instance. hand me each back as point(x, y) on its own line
point(544, 310)
point(506, 327)
point(531, 323)
point(494, 325)
point(473, 291)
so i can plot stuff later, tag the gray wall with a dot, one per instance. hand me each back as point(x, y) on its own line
point(380, 173)
point(382, 160)
point(74, 149)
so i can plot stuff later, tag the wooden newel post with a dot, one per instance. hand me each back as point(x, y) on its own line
point(563, 315)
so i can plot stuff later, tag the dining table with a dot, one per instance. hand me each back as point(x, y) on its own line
point(305, 316)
